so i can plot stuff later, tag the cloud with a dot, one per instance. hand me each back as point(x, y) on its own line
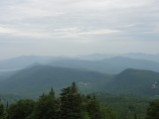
point(94, 16)
point(64, 23)
point(99, 32)
point(72, 32)
point(20, 33)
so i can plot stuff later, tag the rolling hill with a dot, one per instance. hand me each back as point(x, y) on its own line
point(38, 79)
point(21, 62)
point(137, 82)
point(132, 76)
point(111, 65)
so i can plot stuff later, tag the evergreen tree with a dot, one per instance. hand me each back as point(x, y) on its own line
point(47, 107)
point(21, 110)
point(94, 109)
point(1, 110)
point(3, 113)
point(70, 103)
point(153, 110)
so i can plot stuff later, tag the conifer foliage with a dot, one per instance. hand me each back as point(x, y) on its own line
point(153, 110)
point(69, 105)
point(46, 107)
point(21, 110)
point(2, 112)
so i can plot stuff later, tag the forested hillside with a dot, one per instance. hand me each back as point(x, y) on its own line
point(40, 78)
point(110, 65)
point(136, 82)
point(69, 105)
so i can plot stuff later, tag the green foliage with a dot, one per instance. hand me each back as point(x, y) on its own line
point(9, 98)
point(44, 77)
point(93, 108)
point(46, 107)
point(2, 112)
point(136, 82)
point(124, 106)
point(153, 110)
point(21, 110)
point(70, 103)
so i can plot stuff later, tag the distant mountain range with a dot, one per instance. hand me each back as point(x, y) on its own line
point(109, 65)
point(150, 57)
point(134, 81)
point(18, 63)
point(38, 79)
point(33, 81)
point(129, 74)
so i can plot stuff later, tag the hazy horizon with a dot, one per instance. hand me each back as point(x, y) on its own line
point(95, 56)
point(75, 28)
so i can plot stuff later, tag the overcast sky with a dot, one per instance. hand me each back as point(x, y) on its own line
point(78, 27)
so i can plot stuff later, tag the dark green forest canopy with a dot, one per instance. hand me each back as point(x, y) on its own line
point(130, 81)
point(153, 110)
point(69, 105)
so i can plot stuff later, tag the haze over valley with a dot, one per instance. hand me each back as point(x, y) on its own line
point(85, 59)
point(125, 74)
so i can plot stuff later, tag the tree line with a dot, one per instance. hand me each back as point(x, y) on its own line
point(69, 105)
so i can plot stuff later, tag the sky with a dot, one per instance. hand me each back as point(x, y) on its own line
point(78, 27)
